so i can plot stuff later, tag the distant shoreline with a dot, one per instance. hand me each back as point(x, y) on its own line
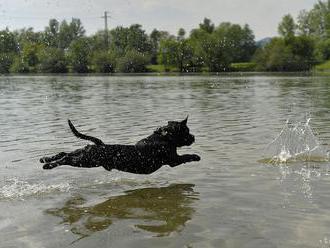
point(165, 74)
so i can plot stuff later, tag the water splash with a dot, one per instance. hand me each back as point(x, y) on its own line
point(19, 189)
point(296, 142)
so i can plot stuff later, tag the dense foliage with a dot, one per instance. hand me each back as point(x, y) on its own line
point(65, 47)
point(302, 43)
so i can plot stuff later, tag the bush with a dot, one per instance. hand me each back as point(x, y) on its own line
point(52, 60)
point(133, 61)
point(322, 50)
point(6, 60)
point(30, 52)
point(104, 62)
point(19, 66)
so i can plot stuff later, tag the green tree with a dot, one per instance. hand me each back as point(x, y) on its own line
point(133, 62)
point(303, 49)
point(65, 35)
point(79, 54)
point(287, 27)
point(177, 53)
point(315, 22)
point(27, 60)
point(68, 32)
point(204, 46)
point(8, 50)
point(227, 43)
point(185, 56)
point(119, 40)
point(275, 56)
point(296, 54)
point(8, 43)
point(51, 33)
point(6, 60)
point(52, 60)
point(27, 35)
point(98, 42)
point(168, 49)
point(237, 42)
point(207, 25)
point(322, 50)
point(104, 62)
point(29, 54)
point(279, 57)
point(181, 34)
point(77, 28)
point(127, 39)
point(137, 39)
point(19, 66)
point(155, 38)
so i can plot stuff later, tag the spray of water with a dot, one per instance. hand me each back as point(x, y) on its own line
point(296, 142)
point(19, 189)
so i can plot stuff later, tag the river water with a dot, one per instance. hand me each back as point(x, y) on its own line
point(228, 199)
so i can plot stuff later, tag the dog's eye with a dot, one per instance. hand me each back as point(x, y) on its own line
point(164, 132)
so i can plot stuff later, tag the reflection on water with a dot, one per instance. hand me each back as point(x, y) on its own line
point(157, 210)
point(304, 176)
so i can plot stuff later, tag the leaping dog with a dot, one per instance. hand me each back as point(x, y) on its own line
point(145, 157)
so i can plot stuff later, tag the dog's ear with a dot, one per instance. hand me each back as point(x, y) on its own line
point(184, 122)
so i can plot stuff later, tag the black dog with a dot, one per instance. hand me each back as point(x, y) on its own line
point(145, 157)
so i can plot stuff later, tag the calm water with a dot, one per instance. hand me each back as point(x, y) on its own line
point(228, 199)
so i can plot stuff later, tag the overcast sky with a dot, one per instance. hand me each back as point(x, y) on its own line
point(263, 16)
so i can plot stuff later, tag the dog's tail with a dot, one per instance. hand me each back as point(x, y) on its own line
point(83, 136)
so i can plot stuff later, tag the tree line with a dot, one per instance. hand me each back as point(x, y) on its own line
point(64, 47)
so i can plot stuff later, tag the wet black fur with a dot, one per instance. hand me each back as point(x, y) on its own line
point(145, 157)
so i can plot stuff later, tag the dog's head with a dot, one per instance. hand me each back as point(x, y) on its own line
point(177, 133)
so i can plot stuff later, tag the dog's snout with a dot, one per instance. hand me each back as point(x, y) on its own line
point(191, 139)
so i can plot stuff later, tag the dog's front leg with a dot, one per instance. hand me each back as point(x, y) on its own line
point(64, 160)
point(53, 158)
point(186, 158)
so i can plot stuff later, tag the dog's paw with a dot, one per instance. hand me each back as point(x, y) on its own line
point(49, 166)
point(43, 160)
point(195, 157)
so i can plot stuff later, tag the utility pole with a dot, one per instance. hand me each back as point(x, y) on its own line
point(106, 33)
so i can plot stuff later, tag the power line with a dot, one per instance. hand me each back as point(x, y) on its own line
point(43, 18)
point(106, 34)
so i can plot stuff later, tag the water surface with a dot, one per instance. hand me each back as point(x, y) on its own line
point(228, 199)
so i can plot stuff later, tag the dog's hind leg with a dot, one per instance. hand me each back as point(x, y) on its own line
point(53, 158)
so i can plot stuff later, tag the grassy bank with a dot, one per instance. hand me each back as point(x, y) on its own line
point(234, 67)
point(324, 67)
